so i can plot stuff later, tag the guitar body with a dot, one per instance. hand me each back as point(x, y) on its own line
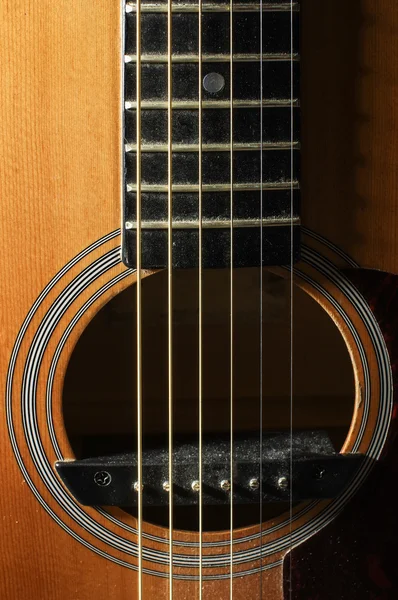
point(60, 182)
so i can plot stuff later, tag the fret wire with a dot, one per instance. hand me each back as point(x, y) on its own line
point(183, 104)
point(221, 187)
point(216, 223)
point(210, 58)
point(249, 147)
point(170, 286)
point(139, 306)
point(216, 8)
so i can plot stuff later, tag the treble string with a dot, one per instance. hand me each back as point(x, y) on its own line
point(261, 305)
point(231, 301)
point(200, 324)
point(139, 298)
point(170, 282)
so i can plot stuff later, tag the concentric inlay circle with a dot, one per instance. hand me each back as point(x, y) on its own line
point(109, 536)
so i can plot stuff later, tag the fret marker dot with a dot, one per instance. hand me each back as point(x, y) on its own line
point(213, 83)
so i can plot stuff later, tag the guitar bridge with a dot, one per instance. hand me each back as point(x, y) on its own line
point(318, 472)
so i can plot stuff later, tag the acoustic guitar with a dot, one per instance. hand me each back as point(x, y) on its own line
point(199, 299)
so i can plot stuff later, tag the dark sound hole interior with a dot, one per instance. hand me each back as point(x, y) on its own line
point(99, 398)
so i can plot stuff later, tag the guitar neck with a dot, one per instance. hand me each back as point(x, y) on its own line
point(223, 150)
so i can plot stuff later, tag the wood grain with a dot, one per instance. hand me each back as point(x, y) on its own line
point(60, 192)
point(59, 149)
point(350, 125)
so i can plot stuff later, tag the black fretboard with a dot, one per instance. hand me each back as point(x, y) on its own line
point(265, 130)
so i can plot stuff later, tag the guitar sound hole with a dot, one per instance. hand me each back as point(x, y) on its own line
point(99, 399)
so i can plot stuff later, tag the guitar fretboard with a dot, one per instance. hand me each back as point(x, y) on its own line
point(263, 111)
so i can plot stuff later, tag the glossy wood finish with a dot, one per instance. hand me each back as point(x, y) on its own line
point(59, 182)
point(59, 150)
point(349, 124)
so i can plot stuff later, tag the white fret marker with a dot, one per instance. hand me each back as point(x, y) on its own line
point(213, 83)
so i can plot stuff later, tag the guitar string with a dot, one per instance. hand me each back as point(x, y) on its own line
point(170, 336)
point(261, 303)
point(139, 297)
point(231, 484)
point(170, 284)
point(200, 291)
point(291, 293)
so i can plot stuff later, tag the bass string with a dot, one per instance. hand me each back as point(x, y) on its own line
point(170, 283)
point(291, 289)
point(231, 483)
point(139, 485)
point(261, 283)
point(200, 306)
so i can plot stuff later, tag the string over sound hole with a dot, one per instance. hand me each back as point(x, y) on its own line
point(99, 393)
